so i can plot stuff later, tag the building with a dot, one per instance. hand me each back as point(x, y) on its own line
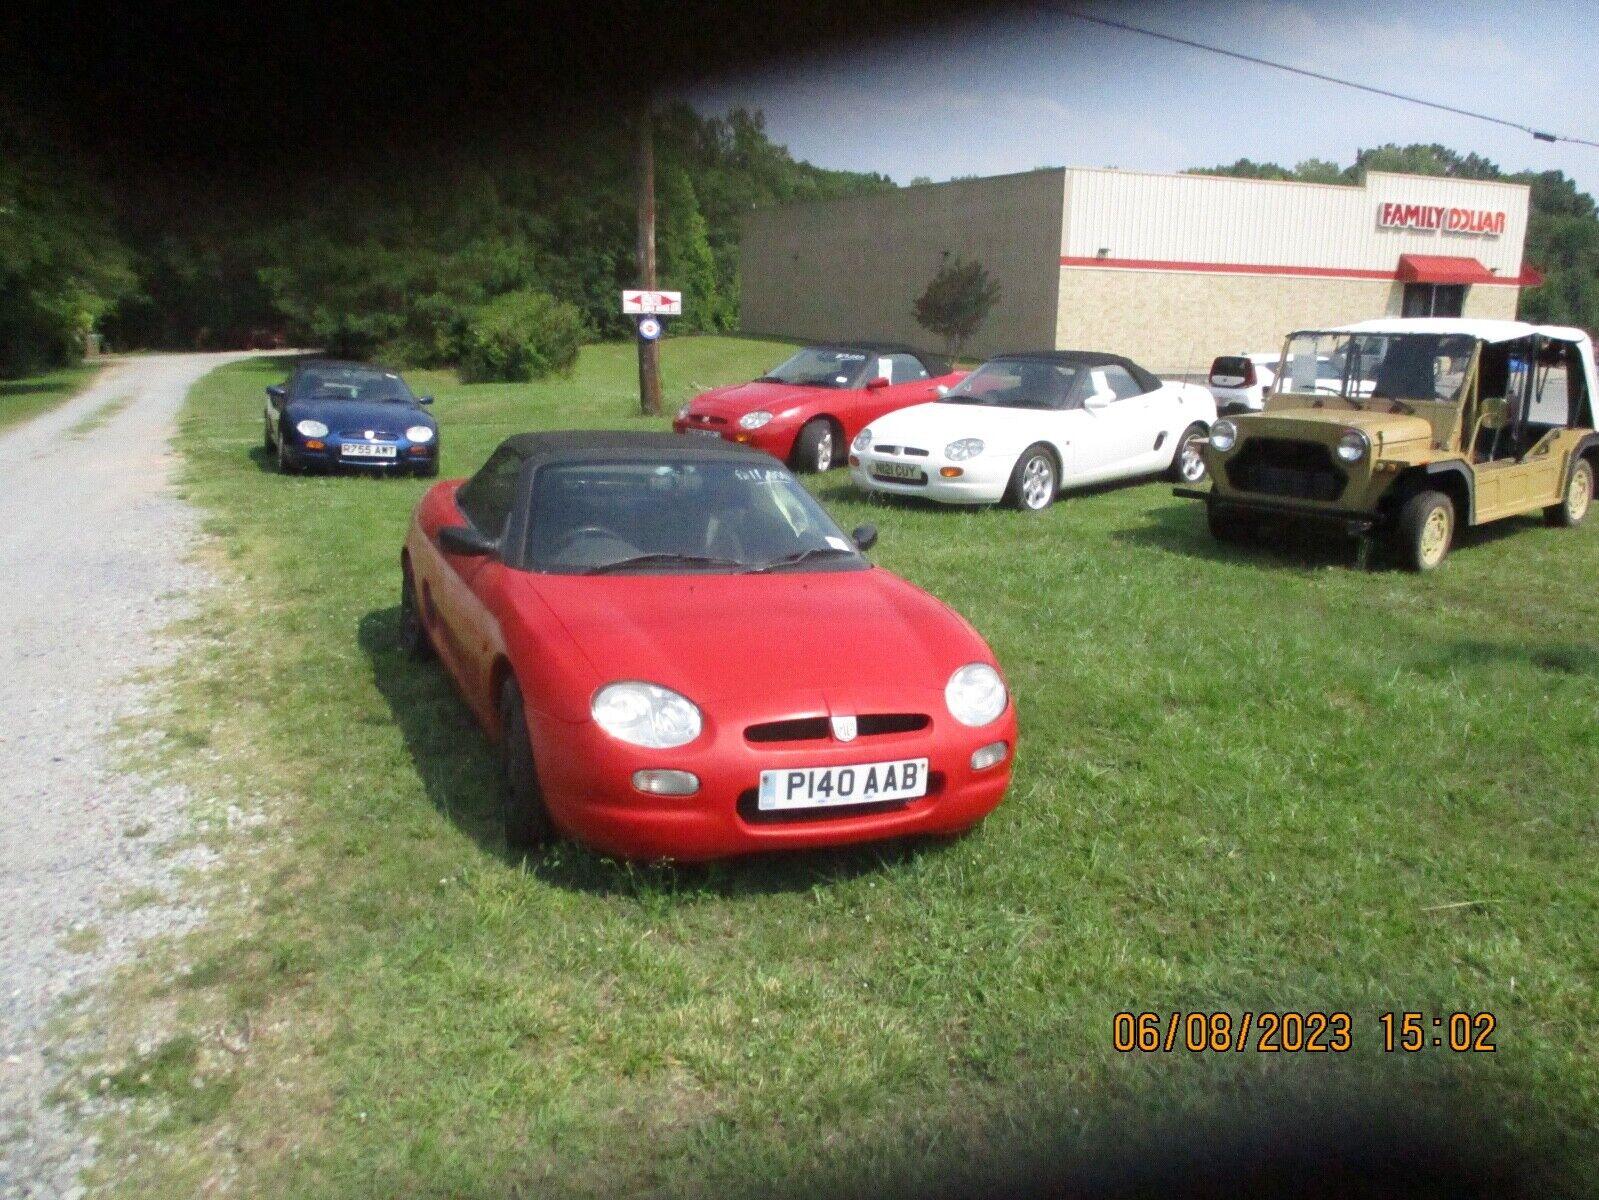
point(1171, 270)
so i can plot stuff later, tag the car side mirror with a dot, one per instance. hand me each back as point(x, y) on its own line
point(275, 391)
point(879, 382)
point(424, 399)
point(1098, 400)
point(865, 536)
point(463, 539)
point(942, 389)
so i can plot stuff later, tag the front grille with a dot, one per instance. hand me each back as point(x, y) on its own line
point(378, 435)
point(706, 419)
point(816, 729)
point(1279, 467)
point(906, 451)
point(751, 813)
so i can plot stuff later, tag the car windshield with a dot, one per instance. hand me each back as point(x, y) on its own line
point(368, 385)
point(821, 366)
point(1388, 366)
point(655, 517)
point(1016, 383)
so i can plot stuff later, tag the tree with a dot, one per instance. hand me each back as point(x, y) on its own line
point(956, 302)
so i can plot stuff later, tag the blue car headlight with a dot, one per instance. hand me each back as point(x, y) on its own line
point(419, 433)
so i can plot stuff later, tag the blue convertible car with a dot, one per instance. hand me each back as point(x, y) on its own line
point(345, 414)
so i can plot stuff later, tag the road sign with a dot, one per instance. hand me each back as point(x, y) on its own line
point(649, 328)
point(666, 304)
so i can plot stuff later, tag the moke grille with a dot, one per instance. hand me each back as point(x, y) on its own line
point(1279, 467)
point(816, 729)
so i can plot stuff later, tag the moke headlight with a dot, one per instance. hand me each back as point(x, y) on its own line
point(1353, 446)
point(975, 694)
point(1224, 435)
point(646, 714)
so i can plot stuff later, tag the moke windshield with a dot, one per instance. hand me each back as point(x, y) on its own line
point(1377, 366)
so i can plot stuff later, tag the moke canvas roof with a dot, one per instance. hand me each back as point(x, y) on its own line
point(1484, 330)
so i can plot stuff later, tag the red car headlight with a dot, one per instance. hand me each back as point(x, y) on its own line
point(646, 714)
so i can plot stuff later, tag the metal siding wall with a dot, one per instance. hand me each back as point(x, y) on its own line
point(1215, 219)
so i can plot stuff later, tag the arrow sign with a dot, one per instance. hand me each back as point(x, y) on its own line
point(666, 304)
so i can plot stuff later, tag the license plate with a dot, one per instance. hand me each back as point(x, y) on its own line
point(892, 470)
point(1226, 381)
point(702, 432)
point(826, 787)
point(366, 450)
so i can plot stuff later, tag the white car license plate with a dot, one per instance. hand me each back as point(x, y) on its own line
point(827, 787)
point(366, 450)
point(893, 470)
point(702, 432)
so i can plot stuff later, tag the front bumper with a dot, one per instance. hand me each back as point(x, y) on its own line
point(775, 437)
point(329, 452)
point(982, 480)
point(587, 778)
point(1352, 521)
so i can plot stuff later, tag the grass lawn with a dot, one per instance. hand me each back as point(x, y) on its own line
point(1248, 779)
point(24, 398)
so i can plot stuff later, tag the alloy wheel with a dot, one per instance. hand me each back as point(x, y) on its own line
point(1038, 482)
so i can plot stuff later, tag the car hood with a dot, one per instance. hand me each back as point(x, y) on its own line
point(1384, 429)
point(932, 426)
point(352, 414)
point(733, 402)
point(788, 636)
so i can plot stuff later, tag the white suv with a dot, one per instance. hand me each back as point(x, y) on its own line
point(1239, 382)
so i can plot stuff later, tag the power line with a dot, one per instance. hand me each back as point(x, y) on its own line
point(1540, 134)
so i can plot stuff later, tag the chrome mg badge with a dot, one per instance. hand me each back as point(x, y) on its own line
point(371, 435)
point(844, 728)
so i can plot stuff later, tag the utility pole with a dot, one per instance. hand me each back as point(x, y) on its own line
point(649, 351)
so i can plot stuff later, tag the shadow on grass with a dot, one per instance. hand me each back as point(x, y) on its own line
point(458, 767)
point(1557, 658)
point(1180, 528)
point(17, 388)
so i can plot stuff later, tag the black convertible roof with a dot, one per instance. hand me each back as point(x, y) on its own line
point(1087, 358)
point(597, 445)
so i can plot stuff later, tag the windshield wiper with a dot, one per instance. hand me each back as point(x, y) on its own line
point(794, 559)
point(650, 560)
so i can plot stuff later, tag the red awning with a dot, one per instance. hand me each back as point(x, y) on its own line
point(1442, 268)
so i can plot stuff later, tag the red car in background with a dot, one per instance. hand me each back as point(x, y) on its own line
point(808, 410)
point(681, 655)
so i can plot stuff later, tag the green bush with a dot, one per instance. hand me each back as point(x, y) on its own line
point(520, 336)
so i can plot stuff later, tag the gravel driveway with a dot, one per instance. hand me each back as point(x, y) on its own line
point(94, 548)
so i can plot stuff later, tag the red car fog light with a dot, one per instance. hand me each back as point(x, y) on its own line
point(987, 756)
point(666, 783)
point(951, 472)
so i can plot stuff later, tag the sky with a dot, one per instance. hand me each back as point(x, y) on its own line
point(1033, 88)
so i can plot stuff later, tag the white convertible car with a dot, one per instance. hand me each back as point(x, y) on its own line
point(1023, 426)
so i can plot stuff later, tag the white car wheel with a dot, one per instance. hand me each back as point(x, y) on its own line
point(1033, 483)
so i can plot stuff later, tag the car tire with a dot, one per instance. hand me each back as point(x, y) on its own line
point(413, 635)
point(1574, 505)
point(1424, 530)
point(267, 444)
point(1034, 481)
point(527, 820)
point(816, 447)
point(1228, 524)
point(1182, 471)
point(285, 463)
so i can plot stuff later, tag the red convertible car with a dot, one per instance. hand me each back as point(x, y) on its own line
point(809, 409)
point(683, 657)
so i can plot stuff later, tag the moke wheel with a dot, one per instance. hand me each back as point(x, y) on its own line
point(527, 821)
point(814, 448)
point(1426, 527)
point(1032, 483)
point(1227, 524)
point(414, 638)
point(1579, 497)
point(1188, 464)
